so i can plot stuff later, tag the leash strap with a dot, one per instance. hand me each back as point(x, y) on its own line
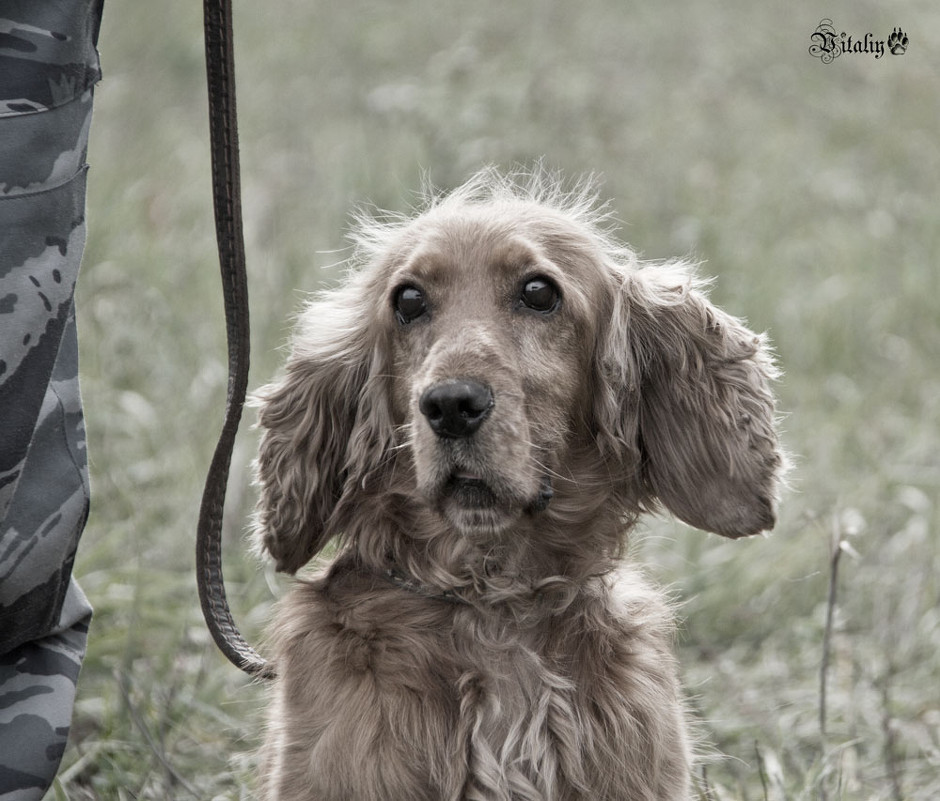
point(226, 194)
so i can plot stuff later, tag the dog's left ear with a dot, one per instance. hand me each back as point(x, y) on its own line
point(697, 404)
point(326, 426)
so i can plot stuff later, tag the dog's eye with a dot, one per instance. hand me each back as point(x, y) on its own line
point(410, 304)
point(540, 294)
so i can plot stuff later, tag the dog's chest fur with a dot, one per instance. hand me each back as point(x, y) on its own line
point(391, 695)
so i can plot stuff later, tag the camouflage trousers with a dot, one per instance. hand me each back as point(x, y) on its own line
point(48, 70)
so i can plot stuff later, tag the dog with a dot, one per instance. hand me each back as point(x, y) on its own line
point(470, 425)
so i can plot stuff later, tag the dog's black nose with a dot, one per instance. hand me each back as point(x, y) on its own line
point(457, 407)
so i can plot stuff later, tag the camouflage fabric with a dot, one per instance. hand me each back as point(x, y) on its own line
point(48, 69)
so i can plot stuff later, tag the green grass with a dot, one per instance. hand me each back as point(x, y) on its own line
point(808, 189)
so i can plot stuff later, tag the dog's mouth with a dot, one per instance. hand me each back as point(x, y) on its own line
point(469, 490)
point(471, 502)
point(544, 497)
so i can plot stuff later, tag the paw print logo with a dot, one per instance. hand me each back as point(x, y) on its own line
point(897, 42)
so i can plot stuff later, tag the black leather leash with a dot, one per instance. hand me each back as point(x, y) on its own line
point(226, 194)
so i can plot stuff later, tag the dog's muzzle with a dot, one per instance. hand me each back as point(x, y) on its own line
point(455, 409)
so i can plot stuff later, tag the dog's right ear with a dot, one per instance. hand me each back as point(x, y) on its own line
point(690, 404)
point(326, 424)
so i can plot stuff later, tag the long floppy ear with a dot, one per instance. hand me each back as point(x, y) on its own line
point(698, 404)
point(326, 424)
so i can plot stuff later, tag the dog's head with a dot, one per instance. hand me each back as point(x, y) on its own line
point(500, 356)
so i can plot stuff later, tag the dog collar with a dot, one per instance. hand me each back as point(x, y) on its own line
point(401, 579)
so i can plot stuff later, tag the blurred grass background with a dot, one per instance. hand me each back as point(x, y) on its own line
point(810, 190)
